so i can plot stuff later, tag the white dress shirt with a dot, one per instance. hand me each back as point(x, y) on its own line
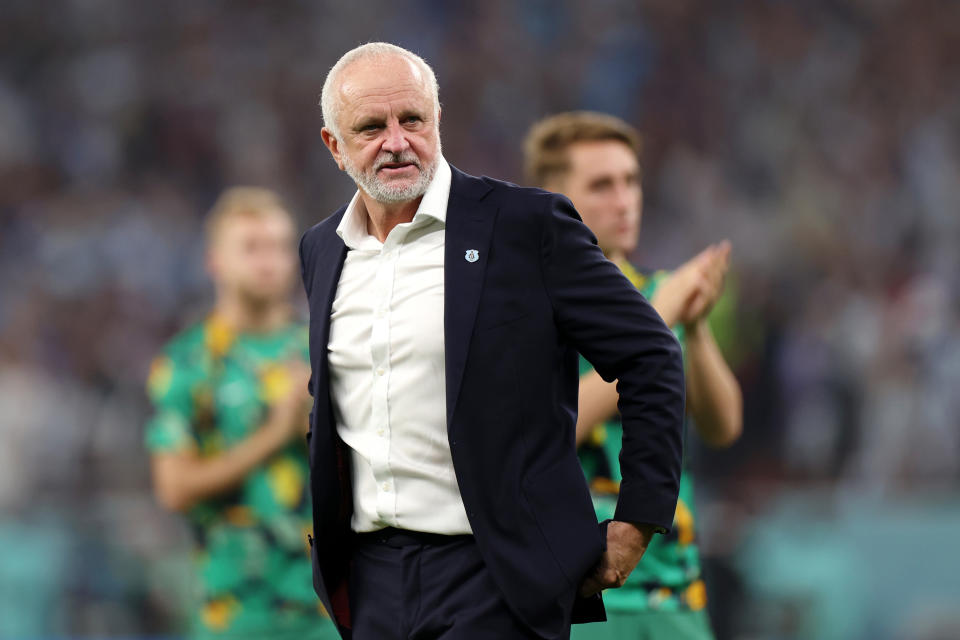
point(387, 369)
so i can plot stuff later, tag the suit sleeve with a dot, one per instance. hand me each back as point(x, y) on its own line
point(614, 327)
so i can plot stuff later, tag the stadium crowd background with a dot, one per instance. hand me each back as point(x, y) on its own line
point(822, 138)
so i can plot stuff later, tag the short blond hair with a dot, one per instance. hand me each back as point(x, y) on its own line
point(546, 147)
point(242, 202)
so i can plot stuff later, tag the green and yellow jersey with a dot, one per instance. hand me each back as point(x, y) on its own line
point(668, 577)
point(212, 388)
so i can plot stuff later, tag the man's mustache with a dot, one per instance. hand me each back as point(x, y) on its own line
point(407, 157)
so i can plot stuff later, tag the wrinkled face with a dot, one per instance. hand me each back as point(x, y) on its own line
point(390, 132)
point(604, 185)
point(254, 257)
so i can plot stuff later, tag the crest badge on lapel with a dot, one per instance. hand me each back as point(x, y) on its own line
point(472, 255)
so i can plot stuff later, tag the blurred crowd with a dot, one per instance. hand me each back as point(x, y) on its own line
point(822, 138)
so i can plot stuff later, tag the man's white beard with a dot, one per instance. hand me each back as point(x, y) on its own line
point(391, 194)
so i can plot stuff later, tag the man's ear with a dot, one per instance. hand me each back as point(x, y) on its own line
point(333, 145)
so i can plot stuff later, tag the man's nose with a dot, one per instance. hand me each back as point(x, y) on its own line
point(624, 199)
point(396, 139)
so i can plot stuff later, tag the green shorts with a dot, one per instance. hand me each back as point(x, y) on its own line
point(647, 625)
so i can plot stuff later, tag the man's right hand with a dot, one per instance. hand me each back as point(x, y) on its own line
point(626, 544)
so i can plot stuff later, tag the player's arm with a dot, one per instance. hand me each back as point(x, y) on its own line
point(181, 477)
point(714, 399)
point(713, 394)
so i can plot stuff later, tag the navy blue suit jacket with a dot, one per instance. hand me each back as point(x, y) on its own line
point(514, 320)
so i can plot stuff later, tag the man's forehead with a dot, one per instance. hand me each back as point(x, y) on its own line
point(598, 156)
point(386, 78)
point(274, 220)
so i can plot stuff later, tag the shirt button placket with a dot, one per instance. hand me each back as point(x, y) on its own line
point(379, 352)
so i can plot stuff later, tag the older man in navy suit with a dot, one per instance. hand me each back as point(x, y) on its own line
point(446, 314)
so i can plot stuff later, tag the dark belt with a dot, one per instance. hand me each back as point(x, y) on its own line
point(399, 538)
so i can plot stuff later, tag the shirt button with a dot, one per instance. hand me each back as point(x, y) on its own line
point(380, 371)
point(385, 486)
point(380, 313)
point(380, 432)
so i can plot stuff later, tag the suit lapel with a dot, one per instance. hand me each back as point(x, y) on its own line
point(329, 263)
point(469, 228)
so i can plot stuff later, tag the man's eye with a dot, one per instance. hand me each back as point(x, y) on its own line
point(413, 119)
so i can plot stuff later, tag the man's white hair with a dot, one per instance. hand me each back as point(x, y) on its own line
point(329, 97)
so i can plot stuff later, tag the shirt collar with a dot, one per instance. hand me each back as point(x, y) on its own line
point(353, 226)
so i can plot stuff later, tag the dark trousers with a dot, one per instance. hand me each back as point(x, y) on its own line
point(409, 586)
